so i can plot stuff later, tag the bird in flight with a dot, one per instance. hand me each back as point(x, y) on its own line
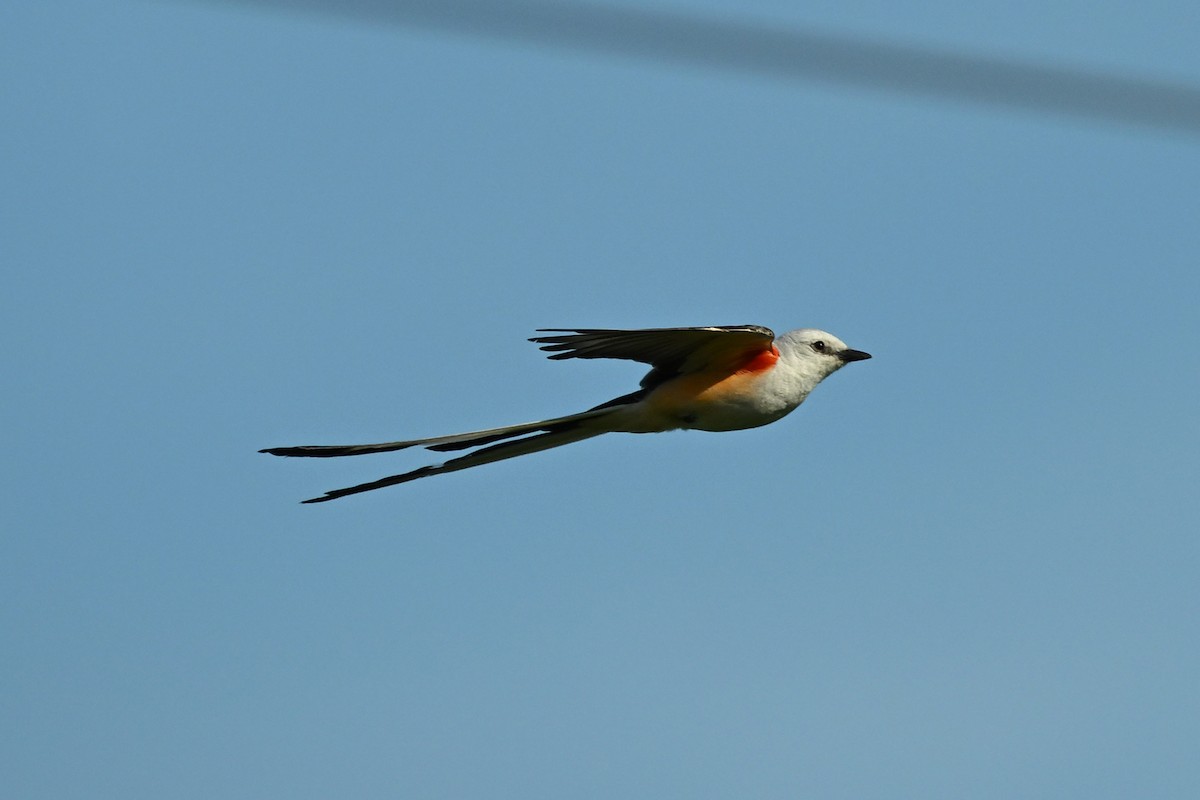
point(722, 378)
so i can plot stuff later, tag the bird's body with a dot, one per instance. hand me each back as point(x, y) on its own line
point(710, 379)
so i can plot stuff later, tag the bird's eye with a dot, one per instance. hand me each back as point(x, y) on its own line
point(819, 346)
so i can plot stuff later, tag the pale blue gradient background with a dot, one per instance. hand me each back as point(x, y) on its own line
point(966, 568)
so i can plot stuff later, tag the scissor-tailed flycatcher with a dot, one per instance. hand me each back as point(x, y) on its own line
point(706, 379)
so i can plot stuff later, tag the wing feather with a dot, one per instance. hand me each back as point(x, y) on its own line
point(670, 351)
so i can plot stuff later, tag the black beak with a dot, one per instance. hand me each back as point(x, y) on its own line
point(853, 355)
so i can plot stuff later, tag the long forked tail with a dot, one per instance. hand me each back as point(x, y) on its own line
point(535, 436)
point(496, 452)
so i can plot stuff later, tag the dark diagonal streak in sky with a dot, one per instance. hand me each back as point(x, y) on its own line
point(788, 54)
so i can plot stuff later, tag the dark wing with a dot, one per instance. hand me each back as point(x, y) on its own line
point(670, 351)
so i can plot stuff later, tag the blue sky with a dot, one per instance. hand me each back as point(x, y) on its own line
point(965, 568)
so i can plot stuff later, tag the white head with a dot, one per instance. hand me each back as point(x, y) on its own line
point(816, 354)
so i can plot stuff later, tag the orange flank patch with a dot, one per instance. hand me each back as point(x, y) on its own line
point(688, 395)
point(760, 361)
